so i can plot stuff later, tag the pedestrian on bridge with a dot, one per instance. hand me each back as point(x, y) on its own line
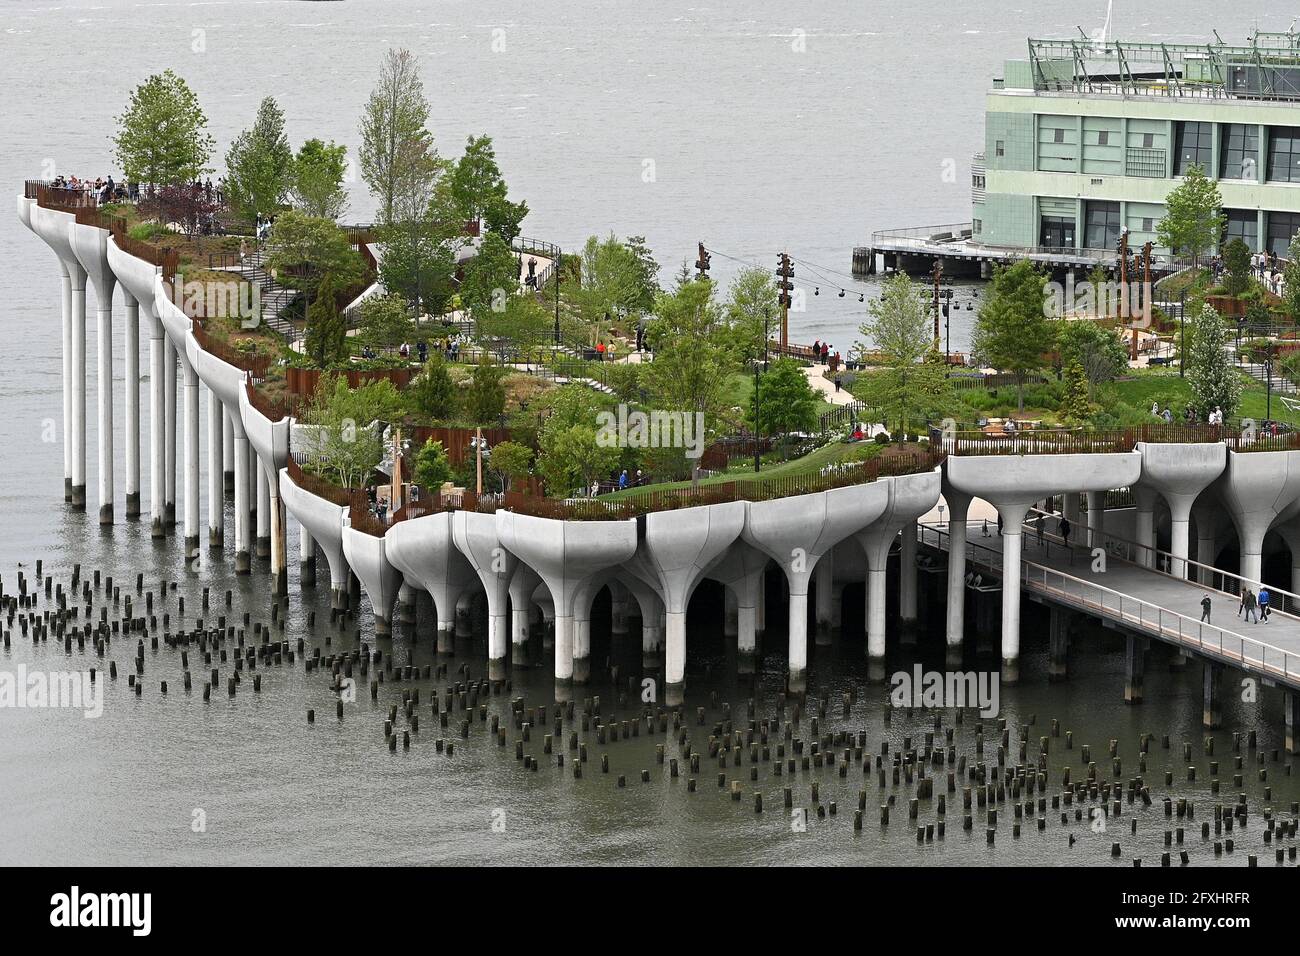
point(1205, 608)
point(1263, 604)
point(1064, 528)
point(1248, 604)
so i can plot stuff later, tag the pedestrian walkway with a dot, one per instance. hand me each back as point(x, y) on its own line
point(825, 387)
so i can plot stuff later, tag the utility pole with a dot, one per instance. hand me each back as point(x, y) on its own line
point(757, 432)
point(938, 276)
point(702, 263)
point(785, 272)
point(1146, 283)
point(559, 258)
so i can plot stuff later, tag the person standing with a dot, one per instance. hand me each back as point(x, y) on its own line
point(1205, 608)
point(1064, 528)
point(1249, 604)
point(1263, 604)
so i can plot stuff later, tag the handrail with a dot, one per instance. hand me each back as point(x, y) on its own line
point(1043, 441)
point(1170, 625)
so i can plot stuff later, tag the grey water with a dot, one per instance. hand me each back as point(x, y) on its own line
point(755, 128)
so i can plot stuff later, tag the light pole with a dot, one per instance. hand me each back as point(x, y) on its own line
point(1182, 335)
point(1268, 370)
point(757, 433)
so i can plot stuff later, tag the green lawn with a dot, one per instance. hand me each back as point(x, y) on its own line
point(1171, 389)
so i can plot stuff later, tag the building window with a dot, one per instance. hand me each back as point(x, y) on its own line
point(1194, 145)
point(1240, 152)
point(1148, 140)
point(1058, 135)
point(1056, 232)
point(1103, 137)
point(1241, 224)
point(1100, 225)
point(976, 227)
point(1284, 154)
point(998, 148)
point(1148, 224)
point(1282, 226)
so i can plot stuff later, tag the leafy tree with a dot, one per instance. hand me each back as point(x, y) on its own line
point(1076, 405)
point(1291, 278)
point(1012, 330)
point(751, 306)
point(510, 461)
point(316, 179)
point(162, 136)
point(1236, 262)
point(479, 191)
point(1214, 381)
point(485, 398)
point(1193, 215)
point(522, 324)
point(385, 321)
point(1097, 350)
point(617, 279)
point(646, 277)
point(258, 164)
point(432, 467)
point(899, 327)
point(624, 378)
point(689, 371)
point(786, 400)
point(305, 249)
point(350, 446)
point(394, 117)
point(570, 457)
point(491, 277)
point(433, 394)
point(419, 261)
point(326, 338)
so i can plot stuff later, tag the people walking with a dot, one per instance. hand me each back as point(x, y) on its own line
point(1248, 605)
point(1263, 604)
point(1205, 608)
point(1064, 528)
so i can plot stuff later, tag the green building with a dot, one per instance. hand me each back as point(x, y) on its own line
point(1086, 137)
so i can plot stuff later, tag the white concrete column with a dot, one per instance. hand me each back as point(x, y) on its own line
point(1180, 512)
point(157, 430)
point(798, 630)
point(191, 457)
point(958, 509)
point(216, 472)
point(1096, 518)
point(729, 612)
point(132, 404)
point(263, 510)
point(519, 617)
point(1145, 526)
point(279, 537)
point(746, 629)
point(618, 606)
point(243, 524)
point(169, 431)
point(104, 356)
point(78, 376)
point(228, 447)
point(1013, 517)
point(563, 648)
point(306, 557)
point(1207, 547)
point(824, 591)
point(875, 610)
point(675, 655)
point(66, 289)
point(1070, 507)
point(907, 574)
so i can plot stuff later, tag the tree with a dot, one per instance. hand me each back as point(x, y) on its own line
point(395, 114)
point(570, 457)
point(1076, 405)
point(316, 179)
point(258, 164)
point(485, 398)
point(786, 401)
point(385, 321)
point(1214, 381)
point(510, 461)
point(751, 305)
point(522, 324)
point(432, 467)
point(162, 137)
point(326, 337)
point(479, 191)
point(899, 327)
point(1236, 263)
point(1291, 280)
point(305, 249)
point(419, 261)
point(491, 277)
point(433, 394)
point(1012, 330)
point(348, 420)
point(1193, 216)
point(1097, 350)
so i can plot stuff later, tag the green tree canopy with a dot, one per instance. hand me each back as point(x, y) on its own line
point(162, 137)
point(786, 401)
point(1096, 350)
point(1236, 263)
point(259, 163)
point(485, 397)
point(393, 135)
point(1214, 381)
point(751, 309)
point(432, 467)
point(479, 191)
point(316, 179)
point(906, 388)
point(1193, 215)
point(1012, 330)
point(305, 249)
point(326, 338)
point(491, 277)
point(349, 420)
point(385, 322)
point(433, 395)
point(509, 462)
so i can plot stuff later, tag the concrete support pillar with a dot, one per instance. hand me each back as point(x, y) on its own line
point(1134, 668)
point(243, 518)
point(1058, 662)
point(675, 657)
point(955, 624)
point(907, 576)
point(263, 511)
point(66, 303)
point(306, 558)
point(279, 538)
point(875, 610)
point(169, 433)
point(132, 405)
point(760, 606)
point(1207, 548)
point(618, 605)
point(157, 431)
point(1145, 526)
point(1096, 518)
point(563, 654)
point(465, 616)
point(1252, 558)
point(1070, 507)
point(1291, 708)
point(1212, 714)
point(216, 471)
point(191, 458)
point(78, 370)
point(104, 356)
point(1013, 517)
point(228, 448)
point(798, 639)
point(730, 613)
point(1180, 513)
point(824, 591)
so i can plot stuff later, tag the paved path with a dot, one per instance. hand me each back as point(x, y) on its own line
point(1142, 599)
point(825, 387)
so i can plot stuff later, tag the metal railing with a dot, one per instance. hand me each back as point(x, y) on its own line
point(1044, 441)
point(1202, 636)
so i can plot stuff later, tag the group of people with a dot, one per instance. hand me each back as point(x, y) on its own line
point(822, 353)
point(621, 481)
point(1254, 606)
point(105, 190)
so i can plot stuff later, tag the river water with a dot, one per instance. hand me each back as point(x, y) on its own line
point(753, 128)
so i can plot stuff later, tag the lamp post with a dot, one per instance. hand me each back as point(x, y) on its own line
point(757, 432)
point(1182, 335)
point(1268, 371)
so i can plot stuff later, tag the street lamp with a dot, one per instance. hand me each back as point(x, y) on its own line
point(1268, 370)
point(757, 434)
point(1182, 335)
